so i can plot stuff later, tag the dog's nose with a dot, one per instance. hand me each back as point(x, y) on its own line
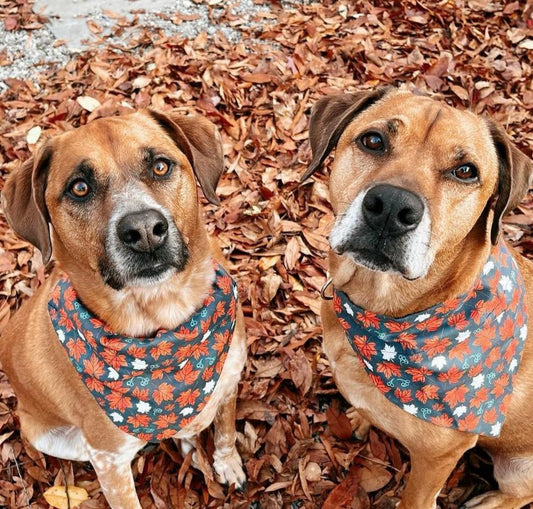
point(392, 210)
point(143, 231)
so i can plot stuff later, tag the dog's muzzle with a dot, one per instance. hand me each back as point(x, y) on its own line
point(386, 228)
point(142, 247)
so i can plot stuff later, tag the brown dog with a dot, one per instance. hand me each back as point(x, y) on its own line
point(116, 202)
point(418, 189)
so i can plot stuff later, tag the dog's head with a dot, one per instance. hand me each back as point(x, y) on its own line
point(412, 176)
point(118, 196)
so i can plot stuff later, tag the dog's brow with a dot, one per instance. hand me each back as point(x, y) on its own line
point(393, 124)
point(432, 124)
point(460, 154)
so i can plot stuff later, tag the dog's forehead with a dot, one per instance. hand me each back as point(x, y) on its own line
point(421, 120)
point(110, 143)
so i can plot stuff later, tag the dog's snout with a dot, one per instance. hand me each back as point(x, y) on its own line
point(143, 231)
point(392, 210)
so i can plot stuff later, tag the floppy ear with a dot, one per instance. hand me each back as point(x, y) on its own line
point(23, 200)
point(515, 173)
point(200, 141)
point(330, 117)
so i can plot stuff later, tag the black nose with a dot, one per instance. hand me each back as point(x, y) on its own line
point(391, 210)
point(143, 231)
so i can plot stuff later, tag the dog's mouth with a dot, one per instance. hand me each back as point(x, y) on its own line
point(121, 267)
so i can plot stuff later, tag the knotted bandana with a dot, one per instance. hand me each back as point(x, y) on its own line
point(453, 364)
point(149, 387)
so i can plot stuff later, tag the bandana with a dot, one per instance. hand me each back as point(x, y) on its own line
point(453, 364)
point(149, 387)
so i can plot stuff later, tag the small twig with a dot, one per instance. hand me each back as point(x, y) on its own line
point(20, 476)
point(66, 482)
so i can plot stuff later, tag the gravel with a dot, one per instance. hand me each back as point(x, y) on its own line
point(30, 51)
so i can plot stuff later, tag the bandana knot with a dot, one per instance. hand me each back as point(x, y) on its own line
point(452, 364)
point(149, 387)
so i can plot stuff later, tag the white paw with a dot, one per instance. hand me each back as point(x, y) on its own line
point(228, 468)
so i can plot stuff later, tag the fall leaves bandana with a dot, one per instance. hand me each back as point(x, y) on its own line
point(453, 364)
point(149, 387)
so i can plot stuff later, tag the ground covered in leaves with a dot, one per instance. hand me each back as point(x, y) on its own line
point(294, 434)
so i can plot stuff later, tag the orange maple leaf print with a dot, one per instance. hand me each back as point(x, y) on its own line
point(76, 348)
point(469, 423)
point(452, 376)
point(187, 374)
point(388, 369)
point(456, 395)
point(188, 397)
point(427, 392)
point(435, 345)
point(397, 326)
point(458, 321)
point(139, 420)
point(164, 392)
point(163, 348)
point(367, 348)
point(419, 374)
point(65, 321)
point(485, 337)
point(404, 395)
point(165, 420)
point(118, 401)
point(460, 350)
point(93, 366)
point(480, 397)
point(442, 420)
point(368, 319)
point(141, 394)
point(224, 283)
point(407, 340)
point(431, 324)
point(186, 334)
point(500, 384)
point(379, 383)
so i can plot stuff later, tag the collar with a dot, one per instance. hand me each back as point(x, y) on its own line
point(452, 364)
point(149, 387)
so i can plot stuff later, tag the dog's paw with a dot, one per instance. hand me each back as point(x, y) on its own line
point(228, 468)
point(496, 500)
point(359, 424)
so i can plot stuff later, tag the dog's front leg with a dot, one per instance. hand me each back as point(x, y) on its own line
point(429, 471)
point(116, 478)
point(226, 459)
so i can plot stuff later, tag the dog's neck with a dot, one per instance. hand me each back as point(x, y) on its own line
point(453, 273)
point(141, 311)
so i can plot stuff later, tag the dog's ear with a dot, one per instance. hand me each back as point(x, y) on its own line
point(23, 200)
point(330, 117)
point(200, 141)
point(515, 176)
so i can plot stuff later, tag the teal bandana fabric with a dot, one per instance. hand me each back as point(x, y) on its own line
point(149, 387)
point(453, 364)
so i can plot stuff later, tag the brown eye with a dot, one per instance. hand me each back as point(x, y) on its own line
point(373, 142)
point(465, 173)
point(161, 168)
point(79, 188)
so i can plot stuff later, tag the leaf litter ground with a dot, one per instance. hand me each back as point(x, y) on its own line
point(295, 434)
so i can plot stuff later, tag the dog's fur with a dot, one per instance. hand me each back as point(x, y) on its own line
point(116, 155)
point(438, 260)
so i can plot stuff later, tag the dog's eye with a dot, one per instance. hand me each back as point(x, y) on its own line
point(161, 168)
point(465, 173)
point(79, 188)
point(373, 142)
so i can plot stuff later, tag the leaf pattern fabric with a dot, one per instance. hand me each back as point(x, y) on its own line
point(453, 364)
point(149, 387)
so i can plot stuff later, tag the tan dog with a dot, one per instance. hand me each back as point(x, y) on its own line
point(116, 202)
point(418, 189)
